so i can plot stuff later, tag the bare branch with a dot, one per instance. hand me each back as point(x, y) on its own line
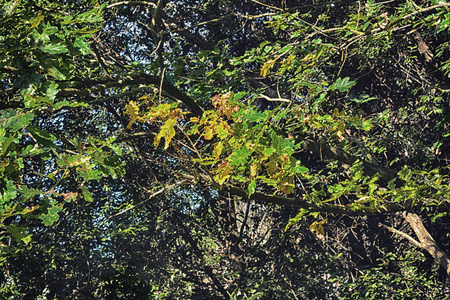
point(400, 233)
point(132, 3)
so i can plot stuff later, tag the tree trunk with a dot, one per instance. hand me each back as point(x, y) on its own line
point(427, 242)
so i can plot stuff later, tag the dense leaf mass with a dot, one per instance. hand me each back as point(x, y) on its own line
point(224, 149)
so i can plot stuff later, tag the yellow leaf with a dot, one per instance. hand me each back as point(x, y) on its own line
point(176, 113)
point(218, 150)
point(253, 170)
point(209, 133)
point(167, 131)
point(340, 132)
point(36, 21)
point(265, 69)
point(132, 109)
point(317, 228)
point(272, 166)
point(130, 124)
point(222, 173)
point(286, 187)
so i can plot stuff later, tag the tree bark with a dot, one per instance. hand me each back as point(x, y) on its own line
point(427, 242)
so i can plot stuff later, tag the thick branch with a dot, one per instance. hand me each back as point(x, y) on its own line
point(400, 233)
point(427, 242)
point(88, 87)
point(329, 208)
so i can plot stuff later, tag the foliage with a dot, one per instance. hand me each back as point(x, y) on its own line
point(395, 278)
point(222, 149)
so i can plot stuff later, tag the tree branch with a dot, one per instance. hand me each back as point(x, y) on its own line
point(427, 242)
point(400, 233)
point(302, 203)
point(85, 88)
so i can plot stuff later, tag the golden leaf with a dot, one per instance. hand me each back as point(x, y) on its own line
point(132, 109)
point(253, 170)
point(218, 150)
point(167, 131)
point(209, 133)
point(222, 173)
point(317, 228)
point(265, 69)
point(340, 132)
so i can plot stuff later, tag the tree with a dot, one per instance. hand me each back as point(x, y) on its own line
point(217, 111)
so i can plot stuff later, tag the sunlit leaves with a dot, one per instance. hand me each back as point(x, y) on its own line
point(91, 16)
point(132, 109)
point(70, 197)
point(7, 191)
point(317, 228)
point(14, 120)
point(266, 67)
point(166, 113)
point(240, 157)
point(87, 195)
point(42, 137)
point(54, 48)
point(43, 35)
point(52, 214)
point(223, 172)
point(342, 84)
point(251, 187)
point(167, 131)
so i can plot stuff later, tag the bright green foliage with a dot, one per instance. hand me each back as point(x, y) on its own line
point(39, 50)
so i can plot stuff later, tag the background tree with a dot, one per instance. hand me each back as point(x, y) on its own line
point(145, 143)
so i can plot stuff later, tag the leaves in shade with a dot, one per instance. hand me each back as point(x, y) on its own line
point(42, 136)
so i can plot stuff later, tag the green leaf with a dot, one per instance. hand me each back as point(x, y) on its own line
point(439, 215)
point(82, 45)
point(299, 169)
point(239, 157)
point(343, 85)
point(8, 191)
point(66, 103)
point(52, 91)
point(42, 137)
point(363, 98)
point(56, 73)
point(52, 214)
point(361, 123)
point(86, 194)
point(251, 188)
point(28, 193)
point(90, 16)
point(254, 116)
point(405, 174)
point(14, 120)
point(44, 37)
point(54, 48)
point(87, 172)
point(19, 233)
